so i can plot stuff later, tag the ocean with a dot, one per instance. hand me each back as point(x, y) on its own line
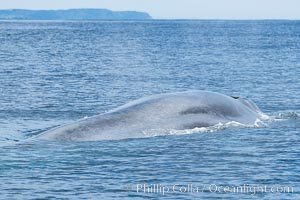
point(57, 72)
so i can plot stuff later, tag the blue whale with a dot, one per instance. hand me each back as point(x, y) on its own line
point(159, 114)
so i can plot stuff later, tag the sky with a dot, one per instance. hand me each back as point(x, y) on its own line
point(177, 9)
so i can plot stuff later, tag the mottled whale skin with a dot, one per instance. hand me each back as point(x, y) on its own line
point(159, 114)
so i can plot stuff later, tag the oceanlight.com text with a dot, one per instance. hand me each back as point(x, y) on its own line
point(211, 188)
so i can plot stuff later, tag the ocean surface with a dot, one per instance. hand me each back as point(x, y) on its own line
point(57, 72)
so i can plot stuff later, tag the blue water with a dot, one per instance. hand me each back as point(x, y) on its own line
point(53, 73)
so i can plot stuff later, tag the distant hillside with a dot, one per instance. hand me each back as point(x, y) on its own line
point(72, 14)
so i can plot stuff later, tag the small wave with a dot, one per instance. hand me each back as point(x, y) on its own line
point(263, 121)
point(9, 138)
point(288, 115)
point(217, 127)
point(34, 132)
point(282, 117)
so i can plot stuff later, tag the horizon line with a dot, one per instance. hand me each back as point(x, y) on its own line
point(153, 17)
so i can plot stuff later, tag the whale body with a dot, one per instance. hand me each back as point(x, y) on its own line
point(159, 114)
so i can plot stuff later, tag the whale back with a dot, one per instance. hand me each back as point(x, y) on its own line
point(191, 102)
point(159, 113)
